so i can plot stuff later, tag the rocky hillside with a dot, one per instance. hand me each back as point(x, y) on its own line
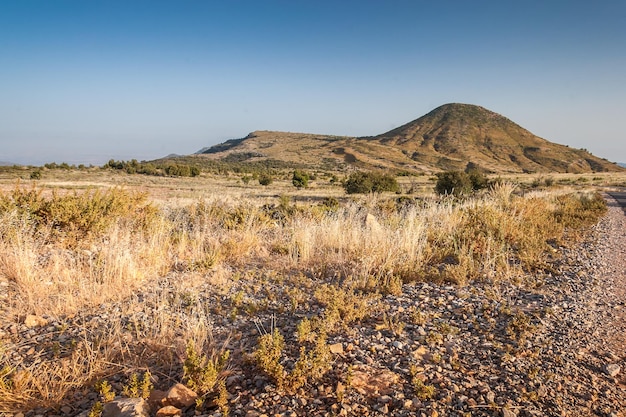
point(453, 136)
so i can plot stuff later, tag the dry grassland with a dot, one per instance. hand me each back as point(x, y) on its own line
point(77, 243)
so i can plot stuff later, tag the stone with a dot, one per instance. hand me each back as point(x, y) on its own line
point(126, 407)
point(169, 411)
point(336, 348)
point(34, 321)
point(420, 352)
point(398, 345)
point(156, 398)
point(180, 396)
point(371, 222)
point(612, 369)
point(66, 410)
point(490, 396)
point(370, 381)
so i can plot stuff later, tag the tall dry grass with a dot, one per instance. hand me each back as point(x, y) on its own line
point(66, 255)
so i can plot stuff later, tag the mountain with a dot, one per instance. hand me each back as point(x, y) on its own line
point(451, 137)
point(622, 164)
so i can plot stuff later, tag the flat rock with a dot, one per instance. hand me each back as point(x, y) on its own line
point(126, 407)
point(180, 396)
point(612, 369)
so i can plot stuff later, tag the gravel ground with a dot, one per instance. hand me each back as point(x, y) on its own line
point(554, 347)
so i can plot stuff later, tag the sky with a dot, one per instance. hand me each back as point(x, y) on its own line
point(88, 81)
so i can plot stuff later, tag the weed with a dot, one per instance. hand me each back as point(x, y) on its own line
point(96, 410)
point(268, 355)
point(311, 365)
point(138, 388)
point(105, 390)
point(423, 391)
point(201, 373)
point(222, 398)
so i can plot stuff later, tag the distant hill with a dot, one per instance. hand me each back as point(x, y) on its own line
point(622, 164)
point(451, 137)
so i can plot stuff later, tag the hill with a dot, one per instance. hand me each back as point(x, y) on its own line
point(451, 137)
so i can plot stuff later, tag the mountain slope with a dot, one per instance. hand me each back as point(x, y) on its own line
point(452, 136)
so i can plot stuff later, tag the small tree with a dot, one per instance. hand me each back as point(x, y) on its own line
point(453, 182)
point(300, 179)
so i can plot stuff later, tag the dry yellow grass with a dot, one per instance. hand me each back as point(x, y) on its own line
point(205, 231)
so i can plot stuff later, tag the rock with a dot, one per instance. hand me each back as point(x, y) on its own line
point(180, 396)
point(398, 345)
point(419, 353)
point(34, 321)
point(126, 407)
point(336, 348)
point(370, 381)
point(156, 398)
point(612, 369)
point(371, 222)
point(169, 411)
point(66, 409)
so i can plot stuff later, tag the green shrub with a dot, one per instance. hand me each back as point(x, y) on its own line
point(370, 182)
point(478, 180)
point(265, 179)
point(453, 182)
point(300, 179)
point(201, 373)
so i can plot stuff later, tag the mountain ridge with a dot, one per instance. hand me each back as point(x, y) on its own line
point(453, 136)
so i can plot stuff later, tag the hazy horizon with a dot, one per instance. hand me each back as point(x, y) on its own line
point(85, 82)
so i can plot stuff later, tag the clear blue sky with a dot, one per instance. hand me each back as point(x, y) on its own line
point(86, 81)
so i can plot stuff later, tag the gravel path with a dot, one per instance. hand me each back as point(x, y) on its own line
point(554, 346)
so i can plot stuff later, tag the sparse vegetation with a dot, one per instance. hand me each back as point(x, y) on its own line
point(73, 251)
point(300, 179)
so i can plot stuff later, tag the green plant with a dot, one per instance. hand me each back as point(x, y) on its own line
point(343, 305)
point(265, 179)
point(222, 397)
point(370, 182)
point(268, 355)
point(455, 183)
point(311, 365)
point(200, 372)
point(300, 179)
point(96, 410)
point(423, 391)
point(138, 388)
point(105, 390)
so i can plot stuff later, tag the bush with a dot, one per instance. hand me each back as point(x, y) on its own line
point(74, 217)
point(478, 179)
point(265, 179)
point(300, 179)
point(453, 182)
point(370, 182)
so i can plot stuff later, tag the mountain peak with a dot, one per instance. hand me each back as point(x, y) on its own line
point(453, 136)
